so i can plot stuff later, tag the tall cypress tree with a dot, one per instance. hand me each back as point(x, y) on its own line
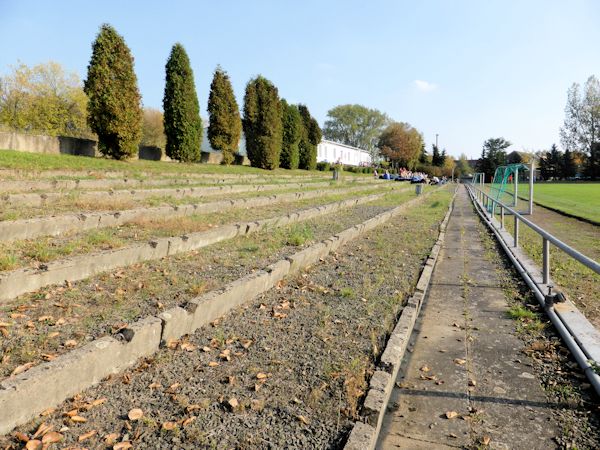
point(114, 108)
point(225, 126)
point(183, 125)
point(311, 136)
point(292, 133)
point(262, 123)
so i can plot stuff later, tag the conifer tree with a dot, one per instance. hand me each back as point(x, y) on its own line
point(183, 125)
point(569, 169)
point(311, 136)
point(114, 108)
point(225, 124)
point(292, 133)
point(262, 123)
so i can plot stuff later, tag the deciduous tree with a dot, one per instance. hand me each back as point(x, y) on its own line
point(114, 108)
point(43, 99)
point(183, 125)
point(401, 144)
point(225, 123)
point(153, 132)
point(262, 123)
point(356, 125)
point(581, 128)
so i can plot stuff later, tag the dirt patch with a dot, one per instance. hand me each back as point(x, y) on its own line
point(287, 370)
point(42, 324)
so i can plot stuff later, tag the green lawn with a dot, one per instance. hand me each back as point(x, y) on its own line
point(10, 159)
point(577, 199)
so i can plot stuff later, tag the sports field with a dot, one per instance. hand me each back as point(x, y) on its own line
point(576, 199)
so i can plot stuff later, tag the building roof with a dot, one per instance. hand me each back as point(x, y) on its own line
point(327, 141)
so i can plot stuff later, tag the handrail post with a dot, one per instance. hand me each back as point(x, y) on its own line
point(546, 260)
point(531, 177)
point(502, 217)
point(516, 231)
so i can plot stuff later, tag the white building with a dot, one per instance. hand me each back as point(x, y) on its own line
point(332, 152)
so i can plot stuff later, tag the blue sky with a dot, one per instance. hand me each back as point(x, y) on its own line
point(466, 70)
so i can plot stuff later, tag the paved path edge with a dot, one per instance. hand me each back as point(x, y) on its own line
point(365, 432)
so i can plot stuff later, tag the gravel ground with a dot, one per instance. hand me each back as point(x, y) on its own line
point(42, 325)
point(288, 370)
point(578, 406)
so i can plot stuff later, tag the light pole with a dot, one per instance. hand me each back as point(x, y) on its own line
point(436, 141)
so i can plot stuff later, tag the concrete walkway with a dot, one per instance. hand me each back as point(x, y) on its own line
point(465, 382)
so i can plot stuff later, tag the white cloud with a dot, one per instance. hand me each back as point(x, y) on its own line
point(425, 86)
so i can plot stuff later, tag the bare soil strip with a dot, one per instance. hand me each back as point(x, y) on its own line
point(287, 370)
point(41, 325)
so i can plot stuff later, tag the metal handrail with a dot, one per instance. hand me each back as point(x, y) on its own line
point(563, 324)
point(585, 260)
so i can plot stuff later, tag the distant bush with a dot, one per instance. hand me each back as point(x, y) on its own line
point(323, 166)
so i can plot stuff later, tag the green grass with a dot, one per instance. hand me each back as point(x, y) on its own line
point(299, 234)
point(520, 312)
point(10, 159)
point(577, 199)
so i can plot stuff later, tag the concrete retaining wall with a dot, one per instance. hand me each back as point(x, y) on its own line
point(16, 282)
point(365, 433)
point(56, 225)
point(44, 386)
point(47, 144)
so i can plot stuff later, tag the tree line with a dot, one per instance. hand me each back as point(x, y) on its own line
point(580, 137)
point(395, 144)
point(277, 134)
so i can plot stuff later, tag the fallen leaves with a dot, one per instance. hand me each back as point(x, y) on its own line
point(22, 368)
point(304, 420)
point(78, 419)
point(213, 364)
point(233, 403)
point(122, 445)
point(135, 414)
point(86, 436)
point(34, 444)
point(188, 347)
point(460, 362)
point(225, 355)
point(71, 343)
point(451, 414)
point(42, 429)
point(21, 436)
point(111, 438)
point(168, 426)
